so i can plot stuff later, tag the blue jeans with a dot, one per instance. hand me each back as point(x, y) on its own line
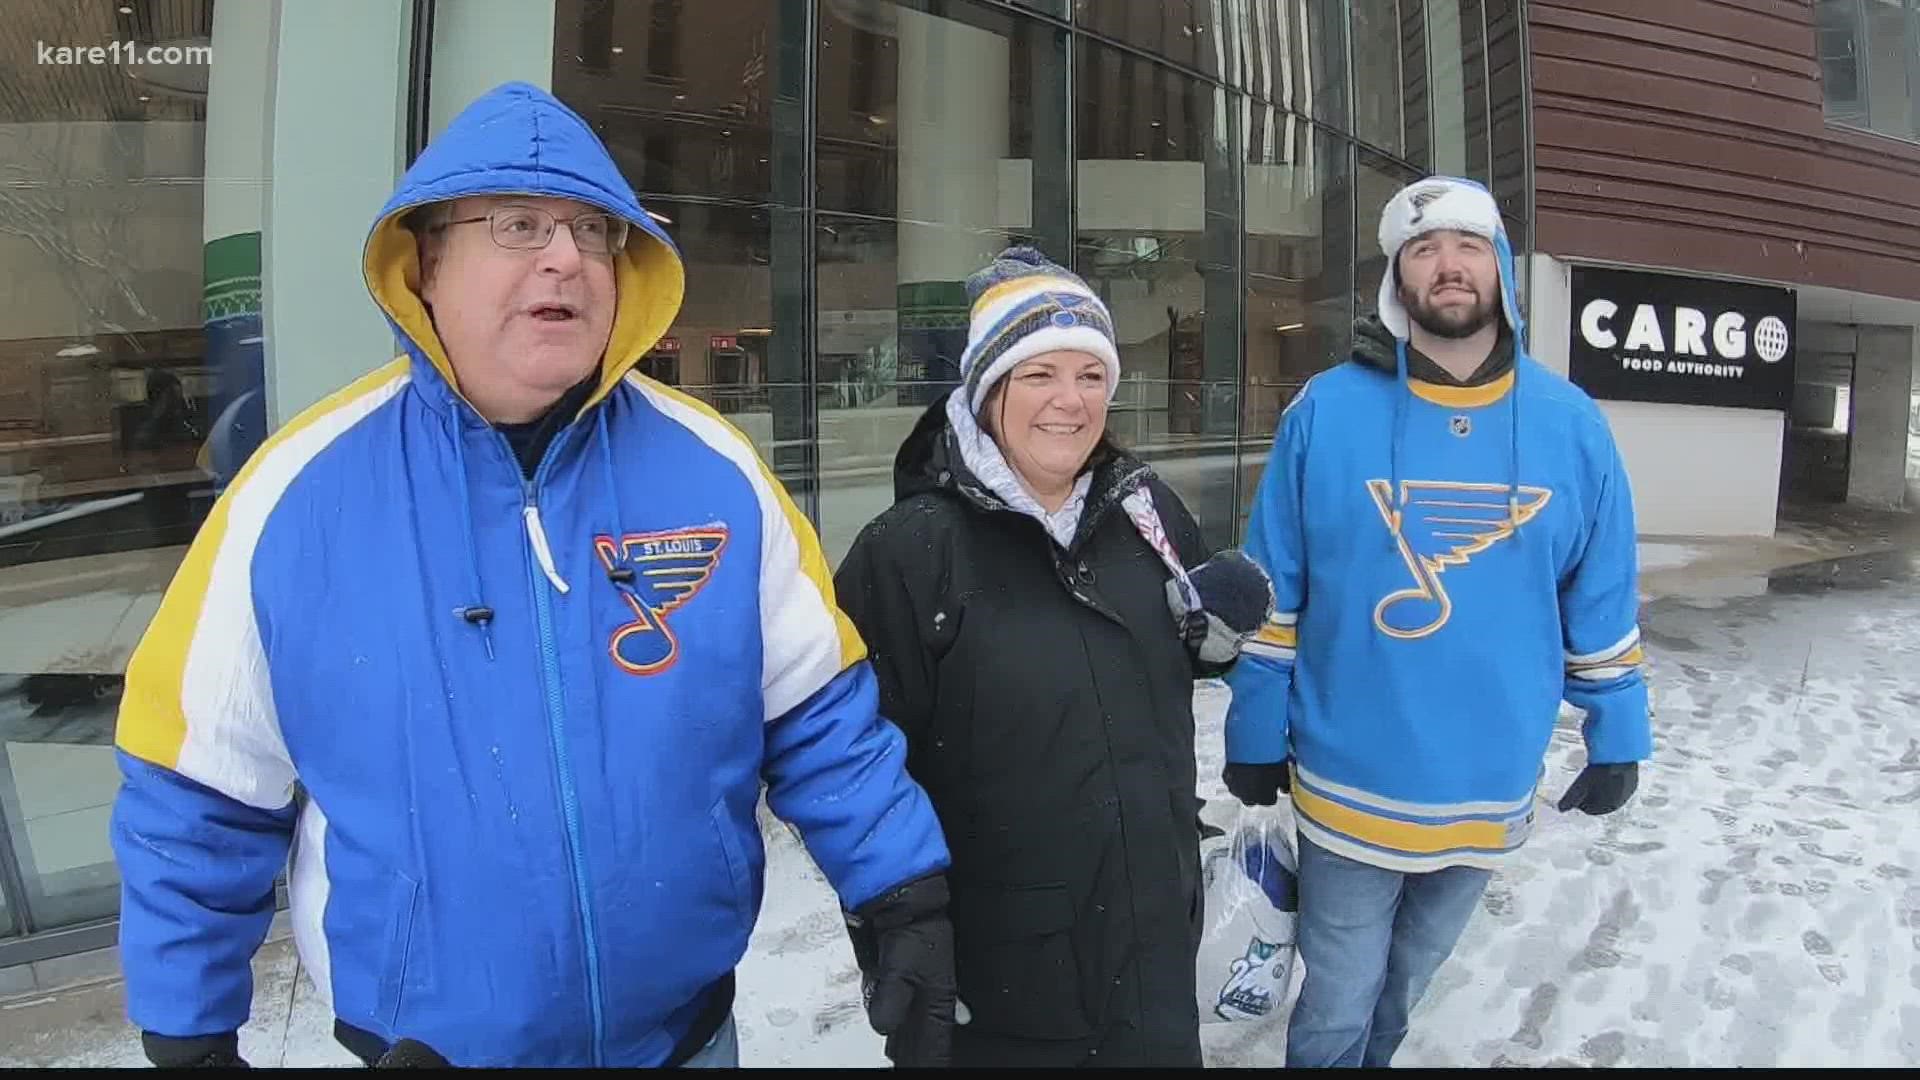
point(1371, 940)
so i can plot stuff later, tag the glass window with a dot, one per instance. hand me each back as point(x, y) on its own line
point(1416, 93)
point(1378, 101)
point(1869, 53)
point(1376, 181)
point(1838, 39)
point(61, 776)
point(1158, 238)
point(131, 386)
point(1456, 60)
point(1187, 32)
point(1293, 54)
point(694, 119)
point(1890, 66)
point(942, 140)
point(1299, 252)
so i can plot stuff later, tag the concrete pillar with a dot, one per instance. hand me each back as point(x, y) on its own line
point(1215, 398)
point(479, 44)
point(338, 112)
point(1882, 395)
point(953, 133)
point(235, 191)
point(1548, 323)
point(338, 107)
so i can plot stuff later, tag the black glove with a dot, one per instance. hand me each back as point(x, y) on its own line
point(1236, 597)
point(194, 1051)
point(903, 943)
point(1258, 785)
point(1602, 789)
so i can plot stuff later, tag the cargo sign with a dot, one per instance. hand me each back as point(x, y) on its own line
point(1680, 340)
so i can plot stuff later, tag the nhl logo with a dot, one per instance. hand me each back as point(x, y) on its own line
point(1461, 426)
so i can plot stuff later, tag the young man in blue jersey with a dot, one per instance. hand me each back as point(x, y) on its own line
point(495, 651)
point(1451, 538)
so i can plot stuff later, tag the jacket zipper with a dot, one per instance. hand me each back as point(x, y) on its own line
point(556, 732)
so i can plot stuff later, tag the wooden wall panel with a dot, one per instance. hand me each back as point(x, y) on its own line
point(1690, 134)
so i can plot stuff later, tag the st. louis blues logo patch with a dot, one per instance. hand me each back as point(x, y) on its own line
point(1439, 525)
point(1423, 198)
point(657, 573)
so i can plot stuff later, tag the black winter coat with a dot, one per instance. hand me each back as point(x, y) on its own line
point(1046, 699)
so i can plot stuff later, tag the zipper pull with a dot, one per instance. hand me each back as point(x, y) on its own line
point(537, 535)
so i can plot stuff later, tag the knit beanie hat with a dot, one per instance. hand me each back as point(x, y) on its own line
point(1442, 202)
point(1023, 305)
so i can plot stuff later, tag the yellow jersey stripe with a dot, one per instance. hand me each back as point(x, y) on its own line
point(1501, 809)
point(1285, 637)
point(1607, 654)
point(1462, 397)
point(1632, 658)
point(1403, 862)
point(1404, 836)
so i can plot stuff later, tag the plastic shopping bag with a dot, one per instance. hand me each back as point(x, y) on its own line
point(1245, 964)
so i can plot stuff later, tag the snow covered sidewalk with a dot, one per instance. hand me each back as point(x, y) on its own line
point(1756, 904)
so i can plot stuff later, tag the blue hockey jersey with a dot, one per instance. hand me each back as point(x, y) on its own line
point(529, 839)
point(1450, 563)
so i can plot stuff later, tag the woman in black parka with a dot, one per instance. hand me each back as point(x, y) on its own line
point(1037, 605)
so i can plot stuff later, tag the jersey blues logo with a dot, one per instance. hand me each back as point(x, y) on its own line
point(1439, 525)
point(657, 573)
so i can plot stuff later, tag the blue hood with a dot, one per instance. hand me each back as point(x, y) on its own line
point(517, 139)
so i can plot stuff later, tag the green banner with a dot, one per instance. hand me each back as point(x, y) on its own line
point(231, 276)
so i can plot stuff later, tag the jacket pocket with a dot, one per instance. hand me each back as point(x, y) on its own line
point(739, 885)
point(1015, 962)
point(403, 902)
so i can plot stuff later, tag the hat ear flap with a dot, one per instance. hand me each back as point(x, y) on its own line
point(1393, 314)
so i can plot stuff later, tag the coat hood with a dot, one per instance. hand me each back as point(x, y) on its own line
point(1374, 346)
point(926, 457)
point(518, 139)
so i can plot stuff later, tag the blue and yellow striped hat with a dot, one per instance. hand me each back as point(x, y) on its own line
point(1023, 305)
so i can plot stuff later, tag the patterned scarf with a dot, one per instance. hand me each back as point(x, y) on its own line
point(984, 459)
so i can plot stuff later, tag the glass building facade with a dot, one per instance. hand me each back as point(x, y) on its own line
point(180, 237)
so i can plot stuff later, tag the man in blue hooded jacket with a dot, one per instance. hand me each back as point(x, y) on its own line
point(493, 650)
point(1451, 538)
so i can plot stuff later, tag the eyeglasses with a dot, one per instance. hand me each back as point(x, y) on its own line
point(529, 228)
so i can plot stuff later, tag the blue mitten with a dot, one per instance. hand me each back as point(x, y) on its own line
point(1236, 598)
